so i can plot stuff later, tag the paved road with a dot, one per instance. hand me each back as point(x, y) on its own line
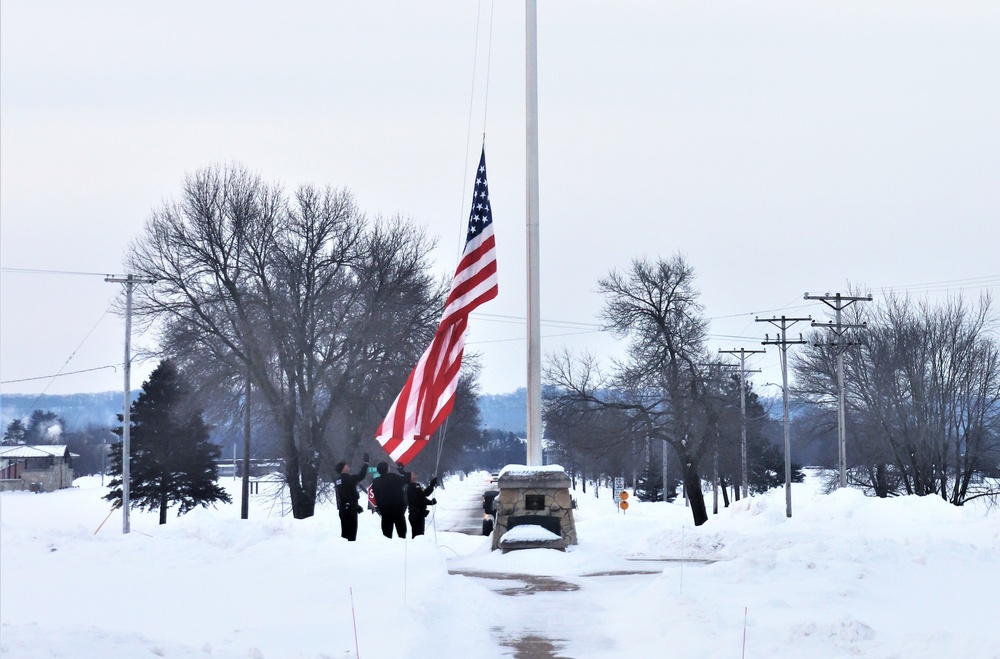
point(462, 512)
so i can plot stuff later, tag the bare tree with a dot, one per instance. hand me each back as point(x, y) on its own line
point(662, 385)
point(925, 403)
point(588, 437)
point(323, 308)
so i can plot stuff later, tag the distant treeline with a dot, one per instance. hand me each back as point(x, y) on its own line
point(506, 412)
point(76, 410)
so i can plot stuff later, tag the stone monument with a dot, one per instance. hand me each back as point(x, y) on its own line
point(534, 509)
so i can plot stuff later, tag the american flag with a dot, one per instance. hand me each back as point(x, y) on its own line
point(429, 393)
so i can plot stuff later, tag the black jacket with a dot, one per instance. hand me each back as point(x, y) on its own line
point(388, 490)
point(417, 497)
point(346, 488)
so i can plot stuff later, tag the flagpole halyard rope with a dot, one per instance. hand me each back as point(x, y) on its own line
point(489, 59)
point(468, 129)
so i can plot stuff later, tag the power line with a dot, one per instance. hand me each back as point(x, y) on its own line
point(974, 282)
point(68, 359)
point(39, 271)
point(60, 375)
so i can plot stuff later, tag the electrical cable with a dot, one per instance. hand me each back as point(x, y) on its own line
point(72, 354)
point(60, 375)
point(39, 271)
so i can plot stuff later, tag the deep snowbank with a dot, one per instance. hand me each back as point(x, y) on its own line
point(845, 576)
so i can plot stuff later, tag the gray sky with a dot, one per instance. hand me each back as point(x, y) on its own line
point(781, 147)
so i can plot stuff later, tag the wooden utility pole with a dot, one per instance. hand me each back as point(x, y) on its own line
point(783, 324)
point(130, 281)
point(743, 352)
point(838, 303)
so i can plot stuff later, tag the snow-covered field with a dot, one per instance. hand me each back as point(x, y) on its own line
point(846, 576)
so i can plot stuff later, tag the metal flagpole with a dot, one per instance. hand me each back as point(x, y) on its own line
point(534, 457)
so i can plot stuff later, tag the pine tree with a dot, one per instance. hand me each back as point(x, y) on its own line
point(15, 433)
point(650, 485)
point(173, 460)
point(766, 466)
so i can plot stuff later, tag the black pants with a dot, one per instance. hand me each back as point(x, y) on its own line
point(349, 525)
point(417, 522)
point(391, 519)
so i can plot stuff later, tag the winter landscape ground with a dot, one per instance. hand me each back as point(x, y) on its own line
point(846, 576)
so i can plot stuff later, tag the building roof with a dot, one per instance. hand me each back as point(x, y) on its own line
point(21, 451)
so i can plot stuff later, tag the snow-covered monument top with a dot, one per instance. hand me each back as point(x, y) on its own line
point(547, 473)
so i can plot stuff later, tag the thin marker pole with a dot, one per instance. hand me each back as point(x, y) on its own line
point(744, 632)
point(354, 619)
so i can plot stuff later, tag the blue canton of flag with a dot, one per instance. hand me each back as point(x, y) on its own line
point(481, 215)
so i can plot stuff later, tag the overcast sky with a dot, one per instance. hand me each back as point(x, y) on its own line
point(781, 147)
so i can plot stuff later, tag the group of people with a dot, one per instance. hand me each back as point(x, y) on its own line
point(396, 494)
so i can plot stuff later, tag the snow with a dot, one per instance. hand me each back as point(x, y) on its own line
point(530, 533)
point(845, 576)
point(525, 471)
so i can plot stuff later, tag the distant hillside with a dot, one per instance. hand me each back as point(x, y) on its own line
point(507, 412)
point(77, 410)
point(501, 411)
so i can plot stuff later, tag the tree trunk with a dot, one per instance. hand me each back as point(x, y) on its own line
point(163, 507)
point(881, 481)
point(715, 483)
point(692, 488)
point(301, 473)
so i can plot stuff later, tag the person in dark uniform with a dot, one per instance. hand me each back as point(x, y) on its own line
point(388, 489)
point(489, 510)
point(417, 500)
point(346, 489)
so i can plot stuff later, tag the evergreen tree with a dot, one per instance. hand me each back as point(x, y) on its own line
point(766, 466)
point(15, 433)
point(173, 460)
point(44, 427)
point(649, 486)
